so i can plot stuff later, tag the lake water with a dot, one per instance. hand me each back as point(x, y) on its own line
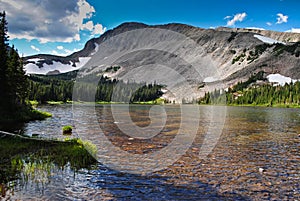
point(222, 153)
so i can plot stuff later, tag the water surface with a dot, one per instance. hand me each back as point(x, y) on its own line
point(257, 157)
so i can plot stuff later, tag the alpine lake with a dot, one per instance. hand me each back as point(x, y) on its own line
point(255, 156)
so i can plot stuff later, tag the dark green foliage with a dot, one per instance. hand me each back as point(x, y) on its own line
point(24, 115)
point(50, 88)
point(288, 95)
point(278, 49)
point(15, 152)
point(67, 129)
point(112, 69)
point(294, 49)
point(147, 93)
point(64, 76)
point(271, 95)
point(239, 58)
point(13, 82)
point(232, 51)
point(253, 78)
point(3, 61)
point(232, 36)
point(53, 88)
point(259, 50)
point(215, 97)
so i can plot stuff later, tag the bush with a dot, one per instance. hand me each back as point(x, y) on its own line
point(67, 130)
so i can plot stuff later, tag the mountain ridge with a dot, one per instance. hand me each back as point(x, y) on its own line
point(235, 53)
point(127, 26)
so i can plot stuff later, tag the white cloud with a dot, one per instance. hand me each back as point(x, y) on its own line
point(294, 30)
point(95, 29)
point(88, 26)
point(60, 47)
point(282, 18)
point(98, 29)
point(227, 17)
point(238, 17)
point(48, 21)
point(35, 48)
point(269, 23)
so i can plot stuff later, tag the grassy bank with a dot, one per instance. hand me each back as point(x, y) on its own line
point(268, 105)
point(158, 101)
point(24, 116)
point(16, 153)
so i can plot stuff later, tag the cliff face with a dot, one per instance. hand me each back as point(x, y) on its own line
point(182, 57)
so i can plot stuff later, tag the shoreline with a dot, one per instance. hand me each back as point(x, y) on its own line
point(159, 103)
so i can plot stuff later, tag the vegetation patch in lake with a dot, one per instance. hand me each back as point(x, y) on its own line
point(24, 159)
point(67, 130)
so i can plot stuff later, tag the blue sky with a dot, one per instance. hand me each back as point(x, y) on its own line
point(53, 27)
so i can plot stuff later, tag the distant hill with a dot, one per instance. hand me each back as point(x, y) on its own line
point(188, 60)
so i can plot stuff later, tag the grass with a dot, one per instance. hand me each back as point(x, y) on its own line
point(158, 101)
point(89, 146)
point(16, 153)
point(264, 105)
point(24, 115)
point(153, 102)
point(40, 115)
point(105, 102)
point(34, 103)
point(55, 102)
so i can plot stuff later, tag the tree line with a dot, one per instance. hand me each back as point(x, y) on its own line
point(54, 88)
point(266, 94)
point(289, 94)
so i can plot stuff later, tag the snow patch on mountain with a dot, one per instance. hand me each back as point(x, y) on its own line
point(34, 60)
point(96, 49)
point(280, 79)
point(210, 79)
point(267, 39)
point(33, 68)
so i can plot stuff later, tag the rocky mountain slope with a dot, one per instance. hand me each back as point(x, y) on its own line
point(187, 59)
point(286, 37)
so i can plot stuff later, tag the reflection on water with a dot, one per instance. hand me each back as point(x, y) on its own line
point(256, 158)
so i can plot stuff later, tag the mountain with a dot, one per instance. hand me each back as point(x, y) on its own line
point(188, 60)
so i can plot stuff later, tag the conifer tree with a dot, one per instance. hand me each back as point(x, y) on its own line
point(13, 82)
point(3, 62)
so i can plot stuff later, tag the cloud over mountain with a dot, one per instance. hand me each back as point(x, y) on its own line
point(294, 30)
point(282, 18)
point(238, 17)
point(49, 21)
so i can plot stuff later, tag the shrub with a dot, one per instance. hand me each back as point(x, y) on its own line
point(67, 130)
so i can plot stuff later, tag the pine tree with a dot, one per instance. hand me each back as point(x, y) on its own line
point(3, 62)
point(17, 79)
point(13, 82)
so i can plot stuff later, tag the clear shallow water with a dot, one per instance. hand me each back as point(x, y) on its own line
point(257, 157)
